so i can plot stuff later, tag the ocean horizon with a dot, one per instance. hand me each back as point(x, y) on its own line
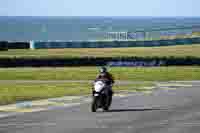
point(74, 28)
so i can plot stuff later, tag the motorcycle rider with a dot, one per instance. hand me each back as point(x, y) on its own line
point(105, 75)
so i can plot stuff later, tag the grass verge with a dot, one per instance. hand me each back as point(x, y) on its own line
point(15, 92)
point(89, 73)
point(11, 92)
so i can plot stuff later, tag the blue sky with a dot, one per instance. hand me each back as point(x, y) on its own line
point(99, 8)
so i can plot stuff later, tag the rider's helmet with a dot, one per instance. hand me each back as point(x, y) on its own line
point(103, 70)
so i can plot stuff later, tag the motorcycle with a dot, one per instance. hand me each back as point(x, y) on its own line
point(101, 97)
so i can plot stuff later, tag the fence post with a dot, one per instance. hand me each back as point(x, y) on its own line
point(32, 45)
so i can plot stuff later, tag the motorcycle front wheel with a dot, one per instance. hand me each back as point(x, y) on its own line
point(107, 103)
point(94, 104)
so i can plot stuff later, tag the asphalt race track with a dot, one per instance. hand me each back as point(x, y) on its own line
point(163, 111)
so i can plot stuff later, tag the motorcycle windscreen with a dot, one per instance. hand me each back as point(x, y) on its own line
point(98, 86)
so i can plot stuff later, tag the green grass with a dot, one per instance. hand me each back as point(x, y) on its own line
point(177, 51)
point(10, 92)
point(89, 73)
point(15, 92)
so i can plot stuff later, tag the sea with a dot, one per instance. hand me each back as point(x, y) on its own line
point(26, 28)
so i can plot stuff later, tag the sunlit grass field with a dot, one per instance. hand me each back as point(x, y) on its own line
point(89, 73)
point(165, 51)
point(10, 92)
